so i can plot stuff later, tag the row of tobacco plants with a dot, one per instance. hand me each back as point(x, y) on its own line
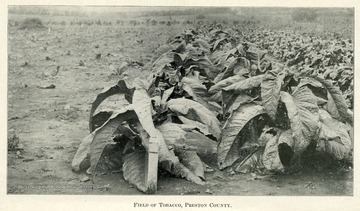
point(263, 111)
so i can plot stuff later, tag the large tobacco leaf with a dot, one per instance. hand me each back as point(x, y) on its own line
point(172, 134)
point(180, 170)
point(248, 83)
point(219, 59)
point(195, 111)
point(274, 154)
point(271, 158)
point(232, 64)
point(196, 85)
point(336, 103)
point(216, 97)
point(224, 83)
point(162, 50)
point(204, 63)
point(317, 88)
point(196, 96)
point(270, 91)
point(227, 69)
point(231, 129)
point(111, 158)
point(334, 136)
point(100, 118)
point(167, 159)
point(190, 125)
point(143, 109)
point(303, 113)
point(120, 88)
point(191, 160)
point(134, 168)
point(166, 95)
point(162, 62)
point(279, 149)
point(103, 135)
point(150, 135)
point(235, 101)
point(331, 107)
point(81, 159)
point(205, 147)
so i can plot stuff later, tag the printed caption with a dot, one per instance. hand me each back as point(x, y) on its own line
point(181, 205)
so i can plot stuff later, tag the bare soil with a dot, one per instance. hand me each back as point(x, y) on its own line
point(51, 123)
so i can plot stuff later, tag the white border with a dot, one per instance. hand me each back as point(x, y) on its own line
point(100, 202)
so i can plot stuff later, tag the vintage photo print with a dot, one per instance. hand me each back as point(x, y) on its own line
point(181, 106)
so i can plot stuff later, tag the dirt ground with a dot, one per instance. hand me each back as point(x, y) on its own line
point(51, 123)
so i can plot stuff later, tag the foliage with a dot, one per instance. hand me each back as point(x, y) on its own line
point(149, 116)
point(263, 113)
point(330, 56)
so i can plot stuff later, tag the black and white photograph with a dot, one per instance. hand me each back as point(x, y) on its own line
point(184, 101)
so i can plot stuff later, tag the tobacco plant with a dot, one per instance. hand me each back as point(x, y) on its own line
point(211, 82)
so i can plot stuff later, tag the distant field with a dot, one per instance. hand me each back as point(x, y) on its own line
point(326, 22)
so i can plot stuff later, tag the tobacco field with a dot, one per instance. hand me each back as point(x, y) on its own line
point(232, 104)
